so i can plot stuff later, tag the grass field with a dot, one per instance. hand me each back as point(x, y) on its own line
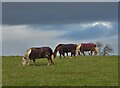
point(82, 71)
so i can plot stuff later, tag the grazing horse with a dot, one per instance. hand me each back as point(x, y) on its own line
point(39, 52)
point(88, 47)
point(65, 48)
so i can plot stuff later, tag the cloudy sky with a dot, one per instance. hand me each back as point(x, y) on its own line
point(36, 24)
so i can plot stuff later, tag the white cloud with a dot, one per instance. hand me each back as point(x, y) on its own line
point(26, 32)
point(17, 38)
point(107, 25)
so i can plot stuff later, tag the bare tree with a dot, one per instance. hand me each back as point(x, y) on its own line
point(107, 50)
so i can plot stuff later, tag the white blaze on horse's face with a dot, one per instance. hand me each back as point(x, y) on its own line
point(78, 48)
point(24, 61)
point(26, 57)
point(96, 49)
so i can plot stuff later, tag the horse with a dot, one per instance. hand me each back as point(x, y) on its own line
point(88, 47)
point(61, 52)
point(66, 48)
point(38, 53)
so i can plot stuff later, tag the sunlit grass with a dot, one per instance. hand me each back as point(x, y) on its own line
point(82, 71)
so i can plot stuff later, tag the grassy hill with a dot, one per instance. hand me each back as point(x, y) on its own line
point(82, 71)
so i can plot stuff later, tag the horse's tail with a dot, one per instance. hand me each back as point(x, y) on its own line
point(78, 48)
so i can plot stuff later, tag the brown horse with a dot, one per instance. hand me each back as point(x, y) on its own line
point(65, 48)
point(88, 47)
point(36, 53)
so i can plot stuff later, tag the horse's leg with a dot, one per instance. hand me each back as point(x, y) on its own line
point(95, 52)
point(71, 54)
point(60, 55)
point(64, 55)
point(29, 61)
point(91, 52)
point(51, 61)
point(33, 61)
point(74, 55)
point(48, 62)
point(79, 53)
point(83, 53)
point(67, 53)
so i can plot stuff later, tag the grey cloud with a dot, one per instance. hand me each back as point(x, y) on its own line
point(91, 33)
point(57, 12)
point(60, 0)
point(82, 35)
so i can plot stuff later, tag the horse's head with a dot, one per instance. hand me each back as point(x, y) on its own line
point(24, 61)
point(58, 47)
point(96, 50)
point(78, 48)
point(25, 58)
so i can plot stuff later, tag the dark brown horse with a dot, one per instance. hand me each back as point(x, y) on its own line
point(65, 48)
point(88, 47)
point(61, 52)
point(37, 53)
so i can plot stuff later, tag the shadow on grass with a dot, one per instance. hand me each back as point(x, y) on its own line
point(39, 64)
point(36, 64)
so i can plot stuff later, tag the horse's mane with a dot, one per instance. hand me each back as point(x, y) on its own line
point(57, 49)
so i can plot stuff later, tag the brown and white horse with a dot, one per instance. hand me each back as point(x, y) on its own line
point(37, 53)
point(66, 48)
point(88, 47)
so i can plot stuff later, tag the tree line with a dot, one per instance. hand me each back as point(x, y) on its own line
point(104, 49)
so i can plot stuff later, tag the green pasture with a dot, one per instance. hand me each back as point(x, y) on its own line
point(82, 71)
